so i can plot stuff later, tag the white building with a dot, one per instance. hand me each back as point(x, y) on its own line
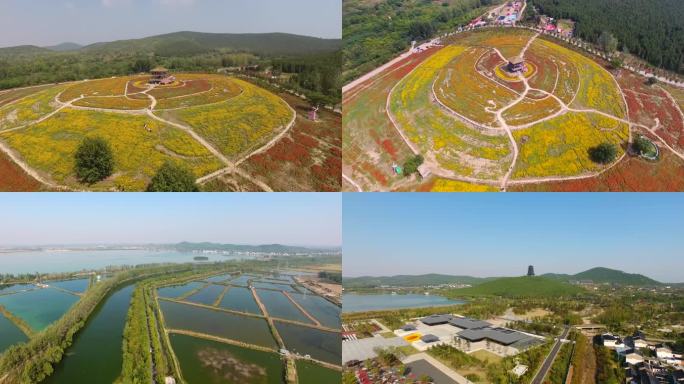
point(634, 359)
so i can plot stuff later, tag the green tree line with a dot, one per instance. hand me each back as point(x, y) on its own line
point(650, 29)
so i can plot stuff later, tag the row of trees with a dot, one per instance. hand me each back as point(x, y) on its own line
point(317, 74)
point(94, 162)
point(33, 361)
point(375, 32)
point(650, 29)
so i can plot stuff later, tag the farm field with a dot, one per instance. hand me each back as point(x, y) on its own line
point(478, 127)
point(231, 134)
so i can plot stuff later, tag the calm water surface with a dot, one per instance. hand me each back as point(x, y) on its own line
point(352, 302)
point(277, 305)
point(69, 261)
point(9, 334)
point(321, 345)
point(39, 307)
point(96, 355)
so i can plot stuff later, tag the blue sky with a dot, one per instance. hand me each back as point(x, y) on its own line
point(501, 234)
point(50, 22)
point(242, 218)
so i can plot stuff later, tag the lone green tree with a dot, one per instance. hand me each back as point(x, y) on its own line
point(603, 153)
point(172, 177)
point(411, 165)
point(607, 42)
point(94, 160)
point(641, 145)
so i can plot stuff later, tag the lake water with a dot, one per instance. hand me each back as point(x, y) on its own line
point(211, 362)
point(352, 302)
point(70, 261)
point(96, 355)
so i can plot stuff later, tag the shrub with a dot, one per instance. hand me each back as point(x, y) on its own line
point(641, 145)
point(603, 153)
point(172, 177)
point(94, 160)
point(411, 165)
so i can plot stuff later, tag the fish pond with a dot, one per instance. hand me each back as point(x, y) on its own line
point(279, 287)
point(352, 302)
point(96, 354)
point(321, 345)
point(241, 300)
point(327, 313)
point(9, 334)
point(311, 373)
point(174, 291)
point(247, 329)
point(79, 285)
point(219, 278)
point(207, 295)
point(39, 307)
point(210, 362)
point(278, 305)
point(14, 288)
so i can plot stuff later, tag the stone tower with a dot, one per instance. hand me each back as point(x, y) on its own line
point(530, 270)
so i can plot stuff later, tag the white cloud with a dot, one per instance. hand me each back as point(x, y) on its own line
point(175, 3)
point(113, 3)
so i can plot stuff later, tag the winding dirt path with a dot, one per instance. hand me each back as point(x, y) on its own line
point(352, 182)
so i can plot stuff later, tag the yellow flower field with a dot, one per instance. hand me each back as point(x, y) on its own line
point(29, 109)
point(559, 147)
point(240, 124)
point(467, 92)
point(120, 102)
point(457, 147)
point(100, 87)
point(597, 89)
point(446, 185)
point(530, 110)
point(50, 146)
point(223, 88)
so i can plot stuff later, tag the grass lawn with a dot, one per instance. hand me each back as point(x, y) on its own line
point(486, 356)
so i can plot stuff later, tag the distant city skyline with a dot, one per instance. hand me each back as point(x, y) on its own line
point(492, 235)
point(40, 219)
point(47, 22)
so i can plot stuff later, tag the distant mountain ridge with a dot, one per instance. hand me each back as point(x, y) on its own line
point(607, 275)
point(187, 43)
point(265, 248)
point(64, 47)
point(410, 280)
point(597, 275)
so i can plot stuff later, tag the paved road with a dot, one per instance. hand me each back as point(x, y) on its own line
point(541, 374)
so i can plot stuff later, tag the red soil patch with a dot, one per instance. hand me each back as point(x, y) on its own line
point(385, 139)
point(648, 103)
point(630, 175)
point(14, 179)
point(307, 158)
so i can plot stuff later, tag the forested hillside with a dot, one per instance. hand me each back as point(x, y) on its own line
point(650, 29)
point(375, 31)
point(314, 63)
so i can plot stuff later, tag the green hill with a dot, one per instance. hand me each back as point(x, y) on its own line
point(612, 276)
point(64, 47)
point(275, 248)
point(23, 50)
point(409, 280)
point(192, 43)
point(524, 286)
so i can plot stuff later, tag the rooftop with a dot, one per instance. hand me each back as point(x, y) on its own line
point(502, 336)
point(517, 60)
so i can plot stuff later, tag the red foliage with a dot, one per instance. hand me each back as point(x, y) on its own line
point(377, 175)
point(389, 148)
point(14, 179)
